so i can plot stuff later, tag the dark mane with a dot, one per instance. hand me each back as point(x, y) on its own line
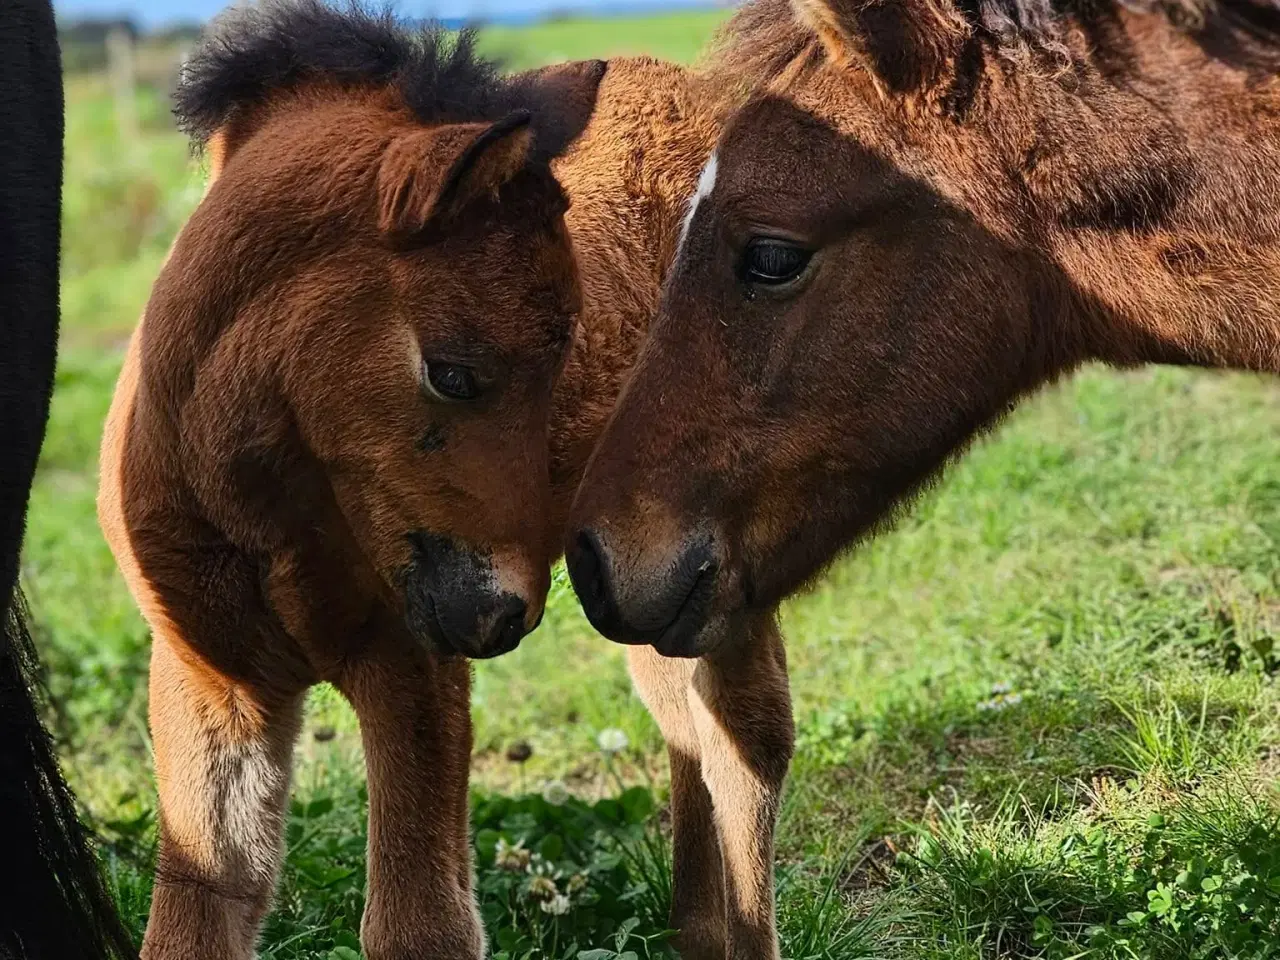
point(252, 52)
point(763, 40)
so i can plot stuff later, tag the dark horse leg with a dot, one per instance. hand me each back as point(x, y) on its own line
point(57, 906)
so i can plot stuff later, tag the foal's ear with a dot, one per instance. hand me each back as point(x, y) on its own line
point(906, 45)
point(431, 175)
point(562, 97)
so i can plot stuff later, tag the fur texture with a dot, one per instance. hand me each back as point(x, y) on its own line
point(256, 53)
point(977, 198)
point(381, 211)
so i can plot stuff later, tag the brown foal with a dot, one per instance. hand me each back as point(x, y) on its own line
point(326, 459)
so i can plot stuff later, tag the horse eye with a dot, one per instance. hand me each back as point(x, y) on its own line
point(451, 381)
point(773, 262)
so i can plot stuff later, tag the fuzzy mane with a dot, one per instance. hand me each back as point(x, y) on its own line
point(764, 40)
point(253, 52)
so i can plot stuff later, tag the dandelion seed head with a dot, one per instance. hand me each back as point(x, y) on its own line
point(612, 740)
point(555, 793)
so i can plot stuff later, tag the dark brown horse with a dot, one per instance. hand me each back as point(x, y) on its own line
point(327, 454)
point(918, 212)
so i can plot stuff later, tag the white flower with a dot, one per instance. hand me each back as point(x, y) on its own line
point(555, 793)
point(1000, 687)
point(577, 882)
point(557, 906)
point(508, 857)
point(612, 740)
point(542, 867)
point(1001, 701)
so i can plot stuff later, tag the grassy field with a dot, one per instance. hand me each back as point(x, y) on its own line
point(1039, 719)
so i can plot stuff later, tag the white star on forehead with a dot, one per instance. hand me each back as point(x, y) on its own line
point(706, 183)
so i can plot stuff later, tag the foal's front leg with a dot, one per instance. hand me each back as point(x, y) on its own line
point(415, 720)
point(741, 705)
point(223, 753)
point(697, 902)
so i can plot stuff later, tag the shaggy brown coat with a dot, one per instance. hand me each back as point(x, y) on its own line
point(917, 212)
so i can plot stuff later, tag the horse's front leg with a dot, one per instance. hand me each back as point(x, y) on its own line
point(223, 752)
point(697, 902)
point(415, 720)
point(741, 705)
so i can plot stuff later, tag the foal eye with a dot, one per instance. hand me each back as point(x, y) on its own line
point(450, 381)
point(773, 262)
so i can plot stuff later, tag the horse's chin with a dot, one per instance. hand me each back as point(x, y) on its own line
point(710, 637)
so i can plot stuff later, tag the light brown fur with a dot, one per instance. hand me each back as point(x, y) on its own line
point(630, 177)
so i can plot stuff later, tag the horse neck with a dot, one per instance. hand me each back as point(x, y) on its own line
point(1200, 282)
point(1197, 297)
point(629, 179)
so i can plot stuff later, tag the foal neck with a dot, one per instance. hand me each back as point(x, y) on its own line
point(629, 178)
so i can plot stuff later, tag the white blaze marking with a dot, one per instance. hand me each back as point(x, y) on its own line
point(706, 183)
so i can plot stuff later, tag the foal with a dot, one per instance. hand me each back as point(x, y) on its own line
point(925, 210)
point(326, 458)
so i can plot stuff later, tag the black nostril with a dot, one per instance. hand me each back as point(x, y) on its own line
point(510, 626)
point(589, 566)
point(587, 573)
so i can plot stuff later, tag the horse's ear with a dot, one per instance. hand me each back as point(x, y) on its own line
point(907, 45)
point(223, 142)
point(431, 175)
point(562, 97)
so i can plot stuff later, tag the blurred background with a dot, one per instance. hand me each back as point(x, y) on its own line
point(1042, 707)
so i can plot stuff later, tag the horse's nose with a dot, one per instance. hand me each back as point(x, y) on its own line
point(589, 573)
point(503, 631)
point(459, 601)
point(666, 609)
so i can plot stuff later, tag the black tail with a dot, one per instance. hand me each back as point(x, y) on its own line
point(56, 906)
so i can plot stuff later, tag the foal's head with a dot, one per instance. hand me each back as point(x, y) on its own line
point(360, 326)
point(873, 269)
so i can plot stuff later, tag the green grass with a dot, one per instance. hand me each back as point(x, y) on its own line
point(1039, 719)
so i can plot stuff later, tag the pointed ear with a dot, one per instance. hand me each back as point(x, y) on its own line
point(227, 139)
point(907, 45)
point(562, 97)
point(430, 175)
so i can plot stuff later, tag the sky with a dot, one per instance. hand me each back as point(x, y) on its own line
point(153, 13)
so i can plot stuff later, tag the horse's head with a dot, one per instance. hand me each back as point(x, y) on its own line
point(364, 318)
point(873, 268)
